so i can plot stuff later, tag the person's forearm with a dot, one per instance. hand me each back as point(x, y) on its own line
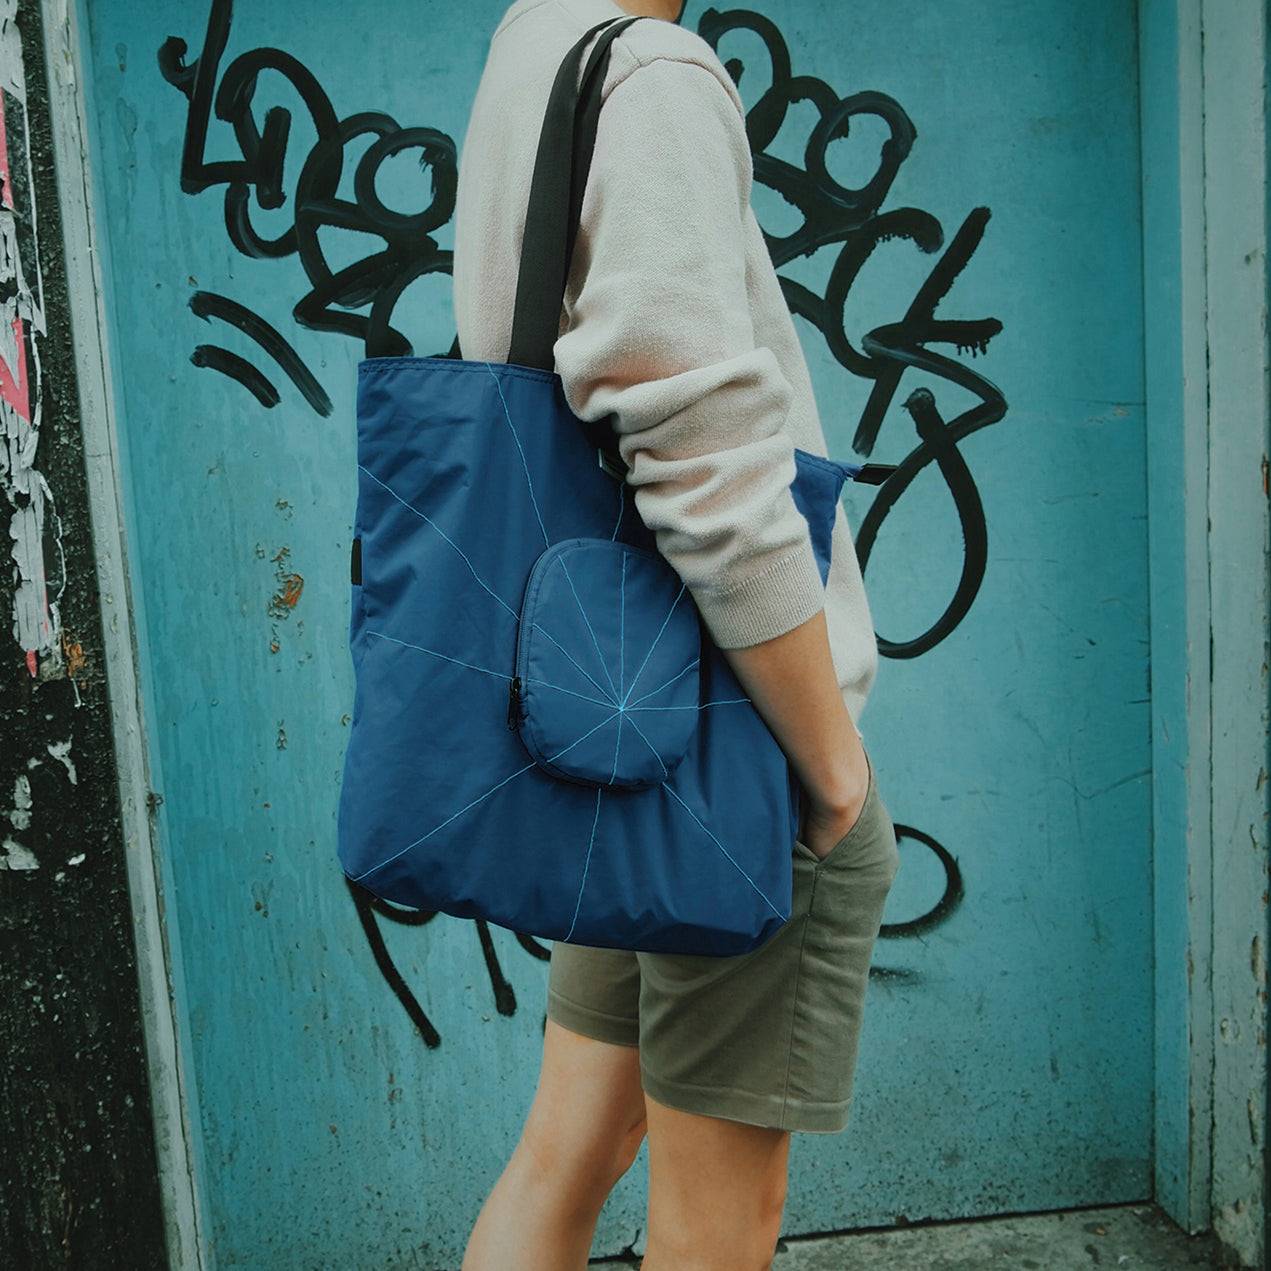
point(792, 682)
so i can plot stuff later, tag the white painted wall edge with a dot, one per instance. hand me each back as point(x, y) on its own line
point(1236, 104)
point(168, 1074)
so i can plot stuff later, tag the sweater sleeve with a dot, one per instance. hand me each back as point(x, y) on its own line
point(660, 337)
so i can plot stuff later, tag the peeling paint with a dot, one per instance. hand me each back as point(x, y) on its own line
point(73, 651)
point(35, 530)
point(16, 856)
point(61, 751)
point(286, 594)
point(20, 814)
point(290, 585)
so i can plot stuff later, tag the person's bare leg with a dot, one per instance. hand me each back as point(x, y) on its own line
point(717, 1190)
point(582, 1132)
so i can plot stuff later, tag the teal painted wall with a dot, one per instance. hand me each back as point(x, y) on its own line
point(1007, 1060)
point(1178, 474)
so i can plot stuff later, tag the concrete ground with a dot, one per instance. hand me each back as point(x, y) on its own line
point(1125, 1237)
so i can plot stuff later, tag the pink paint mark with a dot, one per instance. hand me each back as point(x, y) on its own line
point(6, 185)
point(32, 663)
point(16, 390)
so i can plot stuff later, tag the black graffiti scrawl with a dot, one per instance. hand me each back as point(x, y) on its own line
point(357, 301)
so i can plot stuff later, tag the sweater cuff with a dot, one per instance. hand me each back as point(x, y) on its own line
point(780, 598)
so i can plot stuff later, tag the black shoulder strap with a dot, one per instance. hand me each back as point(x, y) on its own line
point(562, 162)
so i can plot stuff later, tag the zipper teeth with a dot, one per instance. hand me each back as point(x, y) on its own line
point(543, 562)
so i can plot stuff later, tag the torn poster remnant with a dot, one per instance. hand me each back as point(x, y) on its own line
point(34, 528)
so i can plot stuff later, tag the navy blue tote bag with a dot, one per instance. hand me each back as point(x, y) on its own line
point(543, 733)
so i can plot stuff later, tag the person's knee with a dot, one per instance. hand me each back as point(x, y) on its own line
point(729, 1223)
point(587, 1163)
point(769, 1210)
point(623, 1148)
point(772, 1194)
point(695, 1234)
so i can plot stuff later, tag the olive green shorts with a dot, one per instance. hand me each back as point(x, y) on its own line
point(768, 1037)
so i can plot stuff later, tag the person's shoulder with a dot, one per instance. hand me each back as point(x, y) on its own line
point(651, 38)
point(655, 42)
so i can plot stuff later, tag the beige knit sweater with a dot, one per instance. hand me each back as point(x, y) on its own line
point(674, 319)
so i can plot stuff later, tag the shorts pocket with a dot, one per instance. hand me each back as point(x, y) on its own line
point(853, 881)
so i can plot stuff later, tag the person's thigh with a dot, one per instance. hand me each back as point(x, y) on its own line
point(717, 1190)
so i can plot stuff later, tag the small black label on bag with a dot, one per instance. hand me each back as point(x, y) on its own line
point(355, 563)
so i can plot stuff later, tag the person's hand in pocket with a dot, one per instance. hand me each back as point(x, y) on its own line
point(827, 821)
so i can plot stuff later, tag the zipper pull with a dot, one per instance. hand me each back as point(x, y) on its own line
point(514, 703)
